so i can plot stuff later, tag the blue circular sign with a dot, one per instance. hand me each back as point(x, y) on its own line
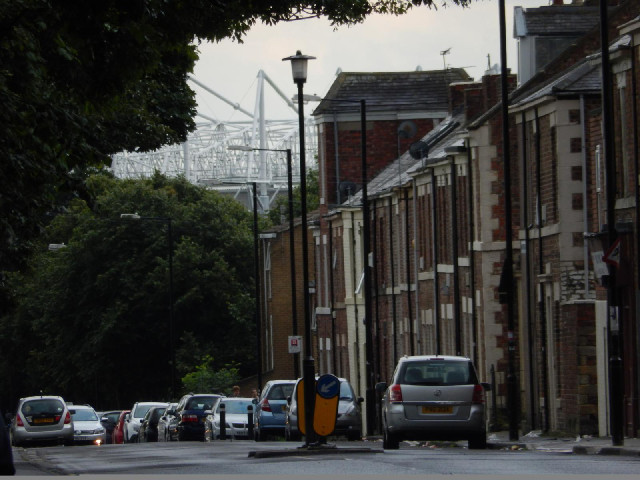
point(328, 386)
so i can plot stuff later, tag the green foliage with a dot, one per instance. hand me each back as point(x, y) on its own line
point(92, 320)
point(206, 378)
point(279, 212)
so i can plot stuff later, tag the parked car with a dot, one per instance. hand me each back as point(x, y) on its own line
point(6, 454)
point(86, 425)
point(42, 419)
point(434, 397)
point(132, 420)
point(348, 420)
point(168, 424)
point(118, 431)
point(236, 419)
point(149, 424)
point(191, 411)
point(108, 421)
point(269, 414)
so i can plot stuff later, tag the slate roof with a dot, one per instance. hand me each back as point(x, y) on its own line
point(556, 20)
point(399, 172)
point(392, 91)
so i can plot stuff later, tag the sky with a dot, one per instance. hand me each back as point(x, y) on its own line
point(380, 44)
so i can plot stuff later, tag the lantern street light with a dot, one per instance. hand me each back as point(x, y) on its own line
point(292, 257)
point(299, 71)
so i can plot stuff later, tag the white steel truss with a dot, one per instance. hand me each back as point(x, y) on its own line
point(206, 159)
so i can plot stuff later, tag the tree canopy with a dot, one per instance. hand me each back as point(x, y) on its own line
point(93, 318)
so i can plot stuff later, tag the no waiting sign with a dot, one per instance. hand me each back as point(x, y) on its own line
point(295, 344)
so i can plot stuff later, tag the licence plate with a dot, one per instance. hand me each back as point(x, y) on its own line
point(43, 420)
point(82, 438)
point(437, 410)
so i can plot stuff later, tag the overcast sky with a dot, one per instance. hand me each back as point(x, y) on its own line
point(380, 44)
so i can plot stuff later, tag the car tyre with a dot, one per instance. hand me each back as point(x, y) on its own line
point(390, 441)
point(353, 436)
point(478, 441)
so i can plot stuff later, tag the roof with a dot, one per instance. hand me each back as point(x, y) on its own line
point(555, 20)
point(391, 91)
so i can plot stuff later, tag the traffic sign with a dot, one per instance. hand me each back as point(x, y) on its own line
point(326, 405)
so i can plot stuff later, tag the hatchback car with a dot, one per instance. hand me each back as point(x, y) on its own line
point(168, 424)
point(86, 425)
point(348, 420)
point(191, 411)
point(42, 419)
point(236, 419)
point(109, 420)
point(434, 398)
point(269, 414)
point(149, 425)
point(118, 431)
point(132, 420)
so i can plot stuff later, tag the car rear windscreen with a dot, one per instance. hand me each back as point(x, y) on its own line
point(437, 372)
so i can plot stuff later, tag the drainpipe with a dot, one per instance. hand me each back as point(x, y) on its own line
point(434, 243)
point(392, 264)
point(542, 307)
point(407, 243)
point(527, 272)
point(332, 301)
point(472, 263)
point(337, 157)
point(416, 268)
point(454, 250)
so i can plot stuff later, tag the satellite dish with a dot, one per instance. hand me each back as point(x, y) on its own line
point(407, 129)
point(347, 189)
point(419, 150)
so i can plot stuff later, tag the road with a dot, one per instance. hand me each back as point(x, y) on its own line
point(233, 458)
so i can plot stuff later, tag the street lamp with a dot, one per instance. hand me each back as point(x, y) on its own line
point(292, 257)
point(299, 71)
point(135, 216)
point(258, 320)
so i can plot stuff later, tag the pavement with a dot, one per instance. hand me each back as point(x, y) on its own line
point(580, 445)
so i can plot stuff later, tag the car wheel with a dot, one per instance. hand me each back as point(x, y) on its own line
point(478, 441)
point(390, 441)
point(353, 436)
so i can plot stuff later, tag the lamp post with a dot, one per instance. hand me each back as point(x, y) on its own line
point(299, 71)
point(292, 257)
point(172, 349)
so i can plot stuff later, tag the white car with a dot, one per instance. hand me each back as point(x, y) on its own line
point(87, 427)
point(236, 418)
point(133, 419)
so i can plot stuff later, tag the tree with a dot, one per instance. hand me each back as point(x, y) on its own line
point(279, 212)
point(81, 80)
point(92, 319)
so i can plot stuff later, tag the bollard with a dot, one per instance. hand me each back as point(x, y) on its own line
point(250, 421)
point(223, 422)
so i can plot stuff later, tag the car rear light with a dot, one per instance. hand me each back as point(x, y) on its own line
point(189, 418)
point(478, 394)
point(19, 421)
point(395, 393)
point(265, 406)
point(67, 419)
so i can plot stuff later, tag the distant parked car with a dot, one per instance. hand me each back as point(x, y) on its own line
point(434, 398)
point(149, 425)
point(191, 414)
point(6, 455)
point(86, 425)
point(269, 414)
point(236, 419)
point(42, 419)
point(118, 431)
point(133, 419)
point(348, 420)
point(168, 424)
point(108, 421)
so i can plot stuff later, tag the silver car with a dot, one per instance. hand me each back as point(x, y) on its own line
point(236, 419)
point(434, 398)
point(86, 425)
point(42, 419)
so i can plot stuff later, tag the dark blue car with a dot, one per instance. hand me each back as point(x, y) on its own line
point(192, 410)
